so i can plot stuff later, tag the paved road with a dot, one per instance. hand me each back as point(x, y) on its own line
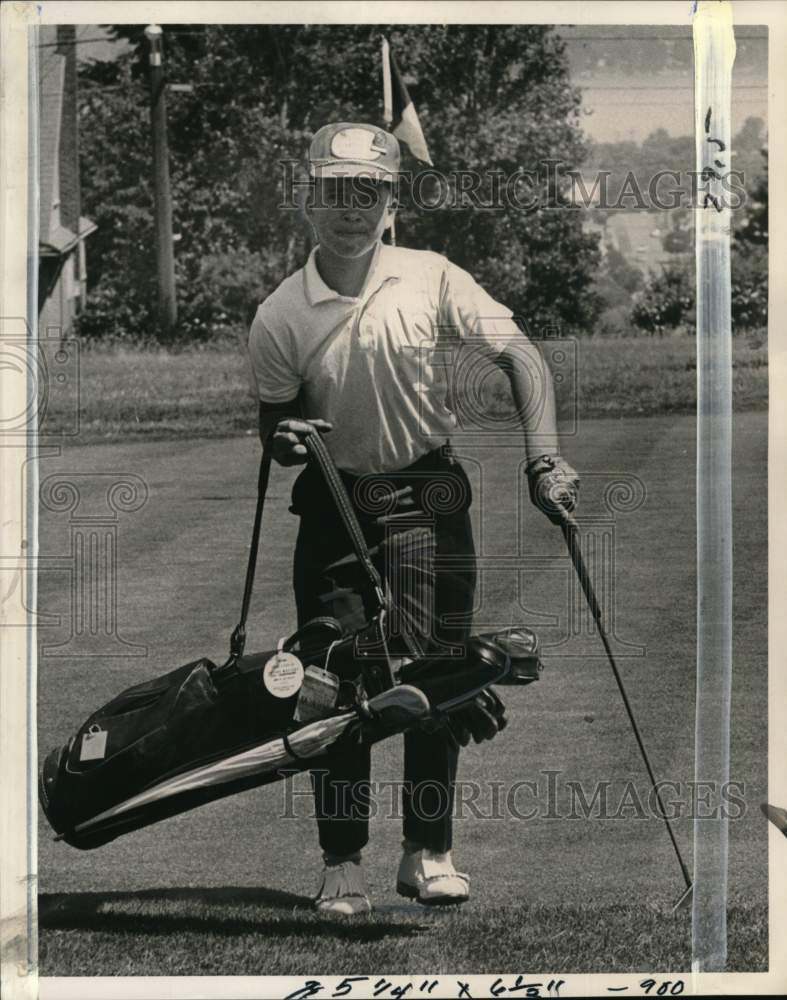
point(180, 564)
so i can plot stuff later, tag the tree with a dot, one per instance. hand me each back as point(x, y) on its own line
point(666, 303)
point(750, 255)
point(669, 299)
point(490, 98)
point(752, 226)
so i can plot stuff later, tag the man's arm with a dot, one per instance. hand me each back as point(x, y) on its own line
point(534, 396)
point(552, 482)
point(270, 414)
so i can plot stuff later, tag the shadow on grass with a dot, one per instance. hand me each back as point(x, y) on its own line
point(114, 912)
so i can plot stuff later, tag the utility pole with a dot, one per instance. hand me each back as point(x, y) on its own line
point(168, 310)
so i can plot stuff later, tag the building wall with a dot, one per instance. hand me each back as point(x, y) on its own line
point(70, 207)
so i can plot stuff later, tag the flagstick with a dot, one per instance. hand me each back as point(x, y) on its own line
point(387, 85)
point(388, 111)
point(714, 54)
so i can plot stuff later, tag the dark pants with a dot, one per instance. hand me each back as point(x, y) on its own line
point(440, 490)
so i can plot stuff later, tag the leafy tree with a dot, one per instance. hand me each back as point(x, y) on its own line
point(750, 255)
point(666, 303)
point(489, 98)
point(669, 299)
point(752, 228)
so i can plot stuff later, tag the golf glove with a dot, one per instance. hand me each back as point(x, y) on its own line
point(554, 486)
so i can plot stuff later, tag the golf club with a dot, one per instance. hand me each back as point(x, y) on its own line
point(571, 535)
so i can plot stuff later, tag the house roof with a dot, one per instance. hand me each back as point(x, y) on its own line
point(60, 239)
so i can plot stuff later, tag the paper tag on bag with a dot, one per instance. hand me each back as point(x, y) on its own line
point(318, 695)
point(282, 675)
point(94, 744)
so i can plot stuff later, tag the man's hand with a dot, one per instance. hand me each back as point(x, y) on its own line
point(288, 438)
point(554, 486)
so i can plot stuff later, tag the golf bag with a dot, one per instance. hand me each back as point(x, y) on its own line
point(204, 731)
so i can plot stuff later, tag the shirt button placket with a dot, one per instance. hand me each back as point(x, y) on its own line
point(365, 330)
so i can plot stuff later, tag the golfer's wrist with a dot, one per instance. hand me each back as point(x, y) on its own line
point(539, 458)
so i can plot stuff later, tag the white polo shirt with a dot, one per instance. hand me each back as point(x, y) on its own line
point(379, 367)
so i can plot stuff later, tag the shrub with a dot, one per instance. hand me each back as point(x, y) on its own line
point(669, 299)
point(666, 302)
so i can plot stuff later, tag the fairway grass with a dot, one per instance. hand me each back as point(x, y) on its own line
point(125, 392)
point(225, 888)
point(261, 932)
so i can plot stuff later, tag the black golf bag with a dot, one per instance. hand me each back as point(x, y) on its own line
point(204, 731)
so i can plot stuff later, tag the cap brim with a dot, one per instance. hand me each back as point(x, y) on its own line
point(345, 168)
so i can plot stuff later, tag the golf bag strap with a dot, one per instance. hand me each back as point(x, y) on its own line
point(319, 453)
point(238, 638)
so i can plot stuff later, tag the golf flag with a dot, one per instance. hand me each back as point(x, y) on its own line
point(398, 109)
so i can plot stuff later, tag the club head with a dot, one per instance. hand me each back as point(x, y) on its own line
point(399, 708)
point(776, 815)
point(685, 900)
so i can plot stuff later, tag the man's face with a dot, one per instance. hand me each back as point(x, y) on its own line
point(349, 214)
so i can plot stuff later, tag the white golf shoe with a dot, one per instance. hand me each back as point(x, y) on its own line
point(430, 878)
point(343, 890)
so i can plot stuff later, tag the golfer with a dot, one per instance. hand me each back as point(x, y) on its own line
point(354, 346)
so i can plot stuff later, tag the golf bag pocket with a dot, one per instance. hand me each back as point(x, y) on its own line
point(157, 729)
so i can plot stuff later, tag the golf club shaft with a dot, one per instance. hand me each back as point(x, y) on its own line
point(571, 534)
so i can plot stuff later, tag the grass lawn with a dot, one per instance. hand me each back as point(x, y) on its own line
point(123, 392)
point(226, 887)
point(243, 932)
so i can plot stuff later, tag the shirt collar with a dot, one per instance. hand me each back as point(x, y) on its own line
point(384, 266)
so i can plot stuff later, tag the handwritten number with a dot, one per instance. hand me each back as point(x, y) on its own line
point(707, 120)
point(311, 989)
point(400, 991)
point(711, 199)
point(667, 986)
point(346, 985)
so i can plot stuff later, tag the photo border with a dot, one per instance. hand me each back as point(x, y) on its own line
point(18, 753)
